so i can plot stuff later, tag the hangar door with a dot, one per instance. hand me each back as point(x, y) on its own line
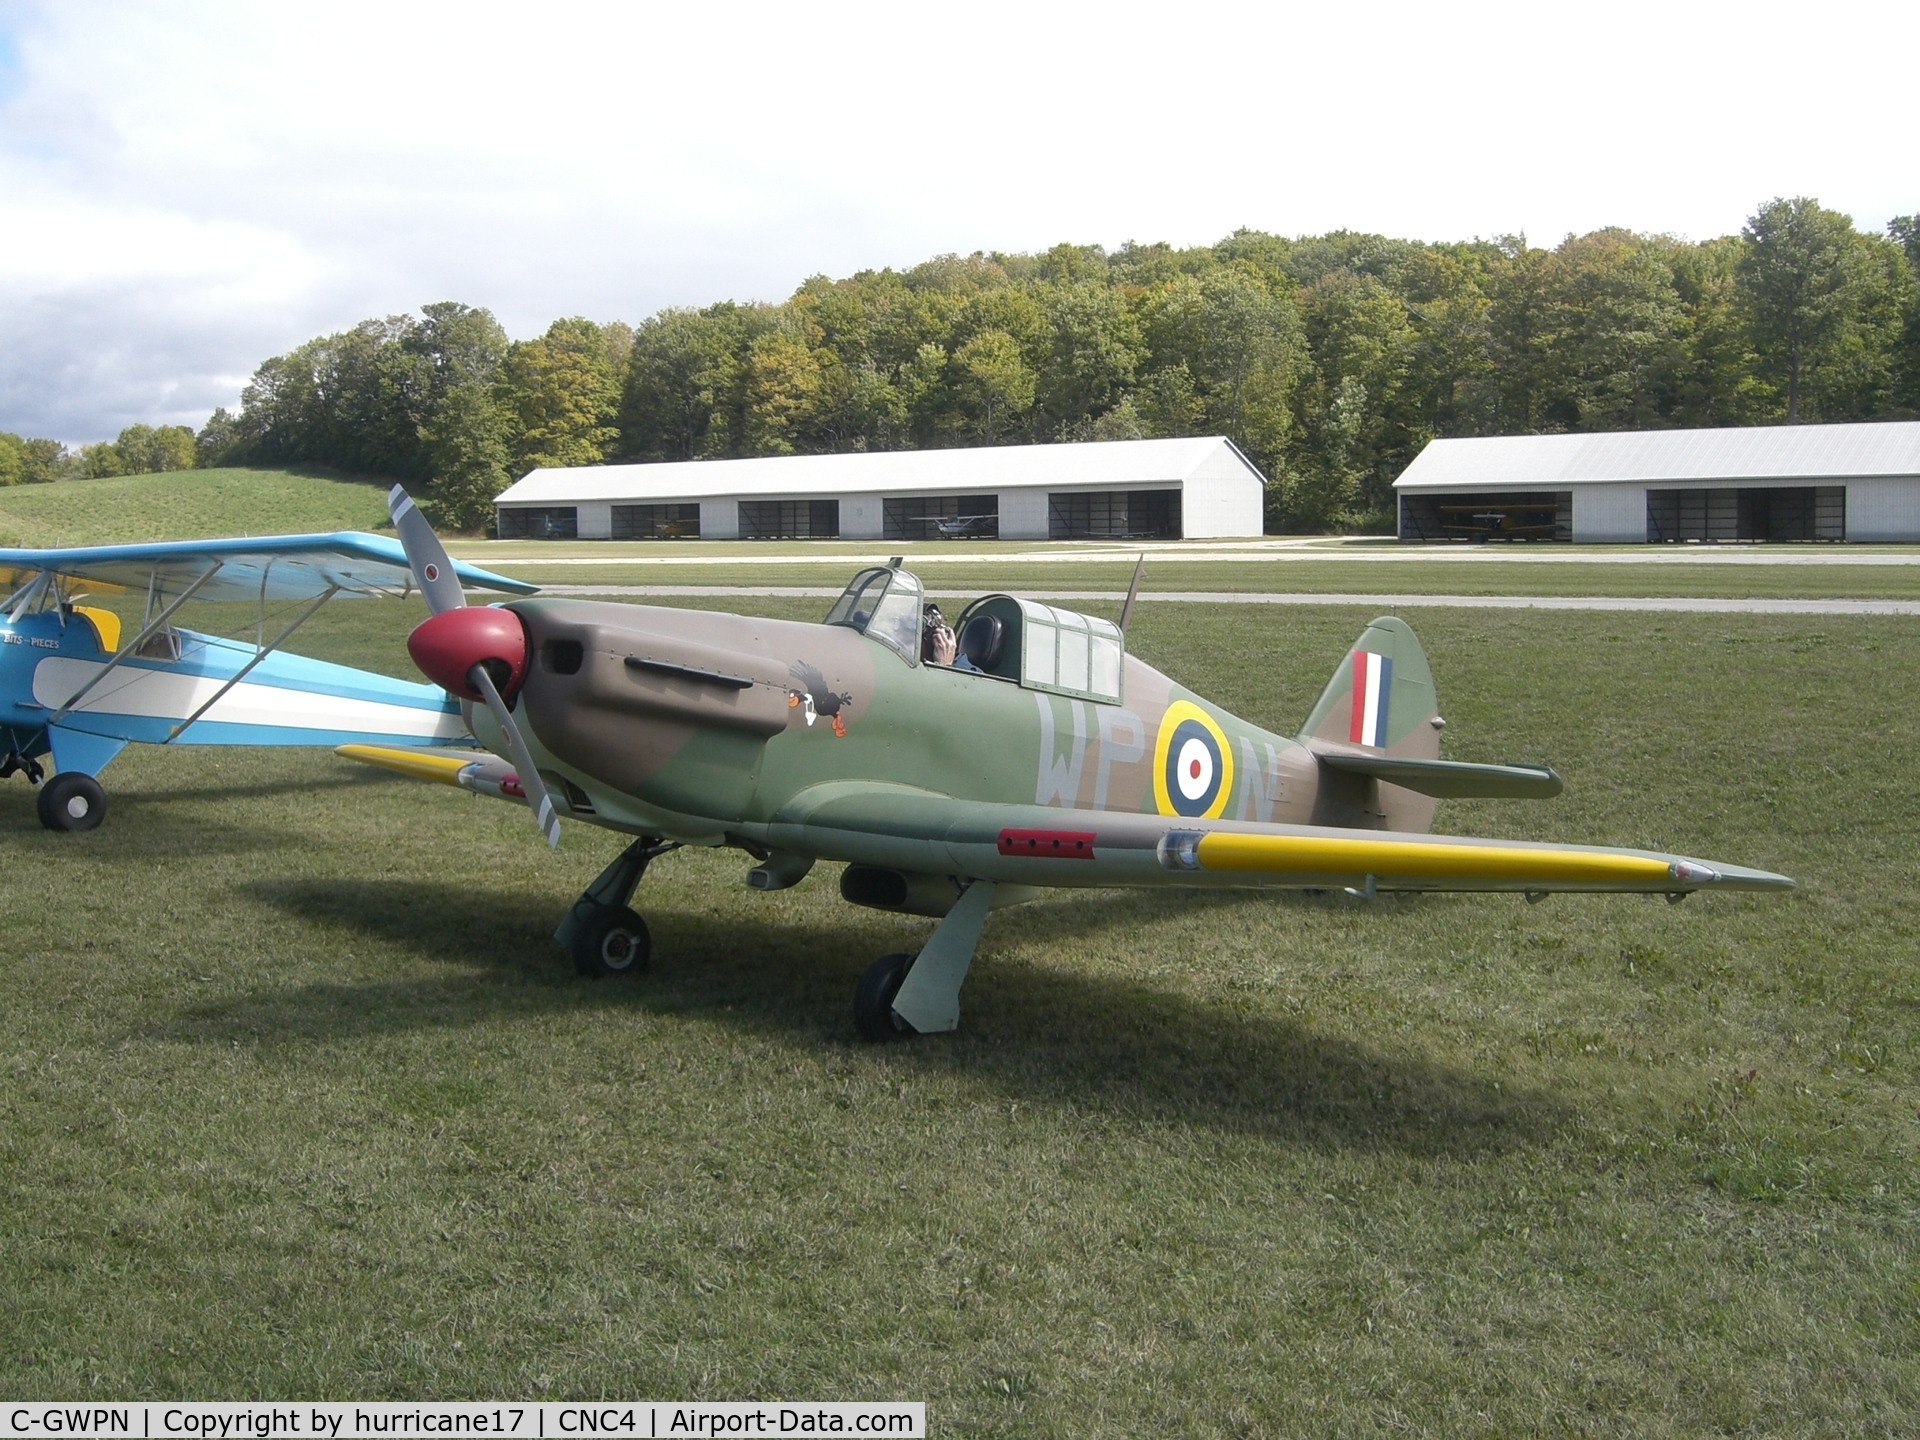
point(1751, 512)
point(937, 517)
point(554, 522)
point(1114, 515)
point(1542, 515)
point(789, 519)
point(656, 522)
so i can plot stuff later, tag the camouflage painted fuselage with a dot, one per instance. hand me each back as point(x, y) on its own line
point(819, 741)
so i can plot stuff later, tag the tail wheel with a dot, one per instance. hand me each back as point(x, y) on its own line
point(615, 942)
point(873, 998)
point(72, 801)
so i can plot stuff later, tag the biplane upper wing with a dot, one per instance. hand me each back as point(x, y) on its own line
point(261, 568)
point(908, 829)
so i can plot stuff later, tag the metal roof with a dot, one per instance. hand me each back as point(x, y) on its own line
point(1760, 452)
point(991, 467)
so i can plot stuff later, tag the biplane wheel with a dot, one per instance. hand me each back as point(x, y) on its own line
point(72, 801)
point(873, 998)
point(614, 942)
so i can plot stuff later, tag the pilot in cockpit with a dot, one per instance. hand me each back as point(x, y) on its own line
point(937, 644)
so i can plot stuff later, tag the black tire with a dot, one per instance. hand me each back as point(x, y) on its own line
point(614, 942)
point(873, 998)
point(72, 801)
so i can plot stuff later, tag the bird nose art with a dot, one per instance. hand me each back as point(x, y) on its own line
point(447, 646)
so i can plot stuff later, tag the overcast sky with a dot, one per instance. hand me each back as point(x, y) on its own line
point(188, 188)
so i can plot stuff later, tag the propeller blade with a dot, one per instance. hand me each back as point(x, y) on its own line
point(538, 800)
point(432, 570)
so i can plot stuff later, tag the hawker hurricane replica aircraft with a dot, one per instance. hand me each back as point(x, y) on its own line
point(74, 692)
point(1041, 755)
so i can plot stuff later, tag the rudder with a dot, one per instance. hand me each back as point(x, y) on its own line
point(1382, 696)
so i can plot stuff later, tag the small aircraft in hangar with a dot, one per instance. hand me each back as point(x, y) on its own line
point(74, 691)
point(954, 775)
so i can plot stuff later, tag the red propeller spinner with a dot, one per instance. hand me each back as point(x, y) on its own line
point(447, 646)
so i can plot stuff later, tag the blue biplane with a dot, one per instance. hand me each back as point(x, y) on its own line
point(75, 692)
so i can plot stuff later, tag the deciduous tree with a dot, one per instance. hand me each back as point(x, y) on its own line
point(1799, 281)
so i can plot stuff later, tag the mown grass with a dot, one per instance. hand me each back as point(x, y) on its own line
point(1412, 577)
point(189, 505)
point(297, 1097)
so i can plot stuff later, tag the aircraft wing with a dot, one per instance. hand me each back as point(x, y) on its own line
point(902, 828)
point(271, 567)
point(476, 770)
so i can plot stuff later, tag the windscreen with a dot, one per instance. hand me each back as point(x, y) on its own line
point(884, 604)
point(855, 606)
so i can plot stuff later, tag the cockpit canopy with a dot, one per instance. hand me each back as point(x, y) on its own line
point(1047, 648)
point(883, 603)
point(1040, 647)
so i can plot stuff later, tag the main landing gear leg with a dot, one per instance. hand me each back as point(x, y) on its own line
point(16, 763)
point(601, 932)
point(920, 994)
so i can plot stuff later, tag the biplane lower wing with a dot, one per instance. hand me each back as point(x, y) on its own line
point(917, 831)
point(238, 699)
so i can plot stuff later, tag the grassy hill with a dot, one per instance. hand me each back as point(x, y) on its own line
point(189, 505)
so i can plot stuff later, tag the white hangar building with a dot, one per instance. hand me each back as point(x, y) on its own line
point(1191, 489)
point(1775, 482)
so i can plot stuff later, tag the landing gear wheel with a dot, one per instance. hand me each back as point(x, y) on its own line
point(72, 801)
point(614, 942)
point(873, 998)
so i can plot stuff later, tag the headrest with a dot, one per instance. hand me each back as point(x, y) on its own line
point(981, 641)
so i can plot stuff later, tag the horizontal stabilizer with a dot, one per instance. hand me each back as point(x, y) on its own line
point(1449, 779)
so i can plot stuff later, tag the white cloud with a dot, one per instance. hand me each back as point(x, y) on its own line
point(185, 189)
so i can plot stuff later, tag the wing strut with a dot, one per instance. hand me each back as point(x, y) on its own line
point(246, 669)
point(25, 595)
point(146, 631)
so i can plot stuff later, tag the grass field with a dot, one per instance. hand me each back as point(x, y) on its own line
point(188, 505)
point(1411, 577)
point(300, 1099)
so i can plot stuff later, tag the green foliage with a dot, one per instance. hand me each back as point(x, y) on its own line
point(1801, 281)
point(216, 438)
point(1330, 360)
point(139, 450)
point(563, 392)
point(676, 375)
point(31, 462)
point(466, 440)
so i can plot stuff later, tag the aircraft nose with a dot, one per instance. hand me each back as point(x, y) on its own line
point(447, 646)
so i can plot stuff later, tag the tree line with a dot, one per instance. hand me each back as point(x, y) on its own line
point(1330, 360)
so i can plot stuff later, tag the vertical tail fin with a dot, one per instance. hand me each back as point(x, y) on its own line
point(1379, 701)
point(1381, 697)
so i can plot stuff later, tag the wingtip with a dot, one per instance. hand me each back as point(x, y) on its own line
point(1739, 877)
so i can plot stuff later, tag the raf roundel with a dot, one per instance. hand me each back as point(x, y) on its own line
point(1193, 768)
